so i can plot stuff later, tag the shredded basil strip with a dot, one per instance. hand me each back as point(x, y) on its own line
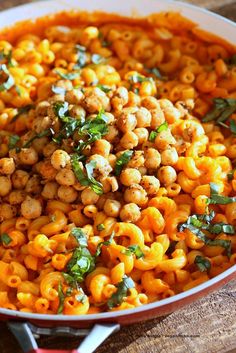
point(97, 59)
point(106, 243)
point(13, 139)
point(80, 264)
point(7, 57)
point(61, 297)
point(9, 83)
point(133, 249)
point(37, 136)
point(86, 180)
point(156, 72)
point(202, 263)
point(153, 134)
point(68, 76)
point(216, 199)
point(230, 175)
point(58, 90)
point(100, 227)
point(80, 236)
point(123, 288)
point(82, 57)
point(137, 78)
point(104, 88)
point(223, 108)
point(21, 111)
point(122, 160)
point(5, 239)
point(232, 126)
point(81, 298)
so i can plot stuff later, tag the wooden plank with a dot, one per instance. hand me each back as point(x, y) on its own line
point(207, 326)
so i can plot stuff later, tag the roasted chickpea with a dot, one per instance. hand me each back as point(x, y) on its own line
point(66, 177)
point(167, 175)
point(20, 178)
point(151, 184)
point(136, 194)
point(130, 176)
point(60, 159)
point(31, 208)
point(28, 156)
point(152, 158)
point(130, 213)
point(112, 208)
point(5, 185)
point(7, 166)
point(169, 156)
point(67, 193)
point(89, 197)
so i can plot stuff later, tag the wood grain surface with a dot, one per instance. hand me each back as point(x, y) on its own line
point(206, 326)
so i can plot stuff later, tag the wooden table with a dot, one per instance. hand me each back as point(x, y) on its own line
point(207, 326)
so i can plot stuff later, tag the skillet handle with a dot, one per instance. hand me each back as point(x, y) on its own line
point(24, 333)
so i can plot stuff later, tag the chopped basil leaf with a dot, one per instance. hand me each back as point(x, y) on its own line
point(9, 83)
point(81, 298)
point(18, 90)
point(58, 90)
point(97, 59)
point(153, 134)
point(80, 264)
point(92, 130)
point(122, 292)
point(105, 89)
point(69, 279)
point(61, 109)
point(13, 139)
point(80, 236)
point(69, 124)
point(100, 227)
point(106, 243)
point(202, 263)
point(68, 76)
point(21, 111)
point(223, 108)
point(122, 160)
point(37, 136)
point(232, 126)
point(86, 180)
point(156, 72)
point(5, 239)
point(133, 249)
point(216, 199)
point(7, 57)
point(81, 51)
point(136, 78)
point(61, 297)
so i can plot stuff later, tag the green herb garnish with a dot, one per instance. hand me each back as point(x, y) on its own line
point(68, 76)
point(100, 227)
point(137, 78)
point(122, 292)
point(230, 175)
point(58, 90)
point(82, 57)
point(81, 263)
point(156, 72)
point(202, 263)
point(105, 89)
point(222, 110)
point(61, 297)
point(7, 57)
point(9, 83)
point(80, 236)
point(13, 139)
point(153, 134)
point(133, 249)
point(106, 243)
point(21, 111)
point(81, 298)
point(122, 160)
point(5, 239)
point(37, 136)
point(86, 180)
point(97, 59)
point(216, 199)
point(232, 126)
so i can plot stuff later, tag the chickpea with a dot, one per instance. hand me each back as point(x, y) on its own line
point(129, 140)
point(167, 175)
point(50, 190)
point(169, 156)
point(112, 208)
point(120, 98)
point(130, 213)
point(49, 149)
point(102, 165)
point(28, 156)
point(16, 197)
point(130, 176)
point(39, 144)
point(5, 185)
point(42, 108)
point(47, 171)
point(142, 135)
point(136, 194)
point(101, 147)
point(150, 103)
point(143, 117)
point(112, 133)
point(7, 166)
point(74, 96)
point(60, 159)
point(137, 160)
point(126, 122)
point(33, 185)
point(158, 117)
point(7, 211)
point(67, 193)
point(95, 100)
point(164, 139)
point(66, 177)
point(19, 179)
point(152, 158)
point(112, 160)
point(78, 112)
point(151, 184)
point(31, 208)
point(89, 197)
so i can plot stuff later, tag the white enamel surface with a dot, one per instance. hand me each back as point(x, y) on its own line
point(206, 20)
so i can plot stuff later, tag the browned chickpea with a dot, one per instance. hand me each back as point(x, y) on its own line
point(89, 197)
point(7, 166)
point(28, 156)
point(16, 197)
point(19, 179)
point(31, 208)
point(130, 213)
point(129, 140)
point(95, 100)
point(169, 156)
point(130, 176)
point(164, 139)
point(143, 117)
point(50, 190)
point(5, 185)
point(152, 158)
point(126, 122)
point(167, 175)
point(7, 211)
point(151, 184)
point(66, 177)
point(136, 194)
point(142, 134)
point(74, 96)
point(60, 159)
point(33, 185)
point(112, 208)
point(67, 193)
